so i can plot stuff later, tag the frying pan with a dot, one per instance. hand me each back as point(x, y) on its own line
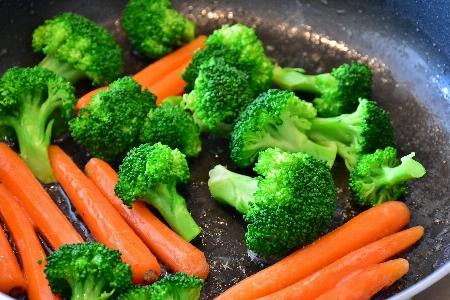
point(406, 43)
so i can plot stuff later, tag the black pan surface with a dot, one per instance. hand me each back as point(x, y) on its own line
point(406, 44)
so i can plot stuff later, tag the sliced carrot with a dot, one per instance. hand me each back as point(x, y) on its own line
point(177, 254)
point(367, 227)
point(12, 281)
point(51, 223)
point(104, 222)
point(28, 246)
point(170, 85)
point(328, 277)
point(368, 282)
point(157, 70)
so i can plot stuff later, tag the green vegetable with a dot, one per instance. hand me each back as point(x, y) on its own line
point(110, 125)
point(278, 119)
point(154, 28)
point(87, 271)
point(176, 286)
point(337, 92)
point(220, 94)
point(35, 104)
point(381, 177)
point(237, 45)
point(355, 134)
point(152, 173)
point(77, 48)
point(288, 205)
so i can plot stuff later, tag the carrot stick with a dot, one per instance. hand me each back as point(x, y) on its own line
point(177, 254)
point(368, 282)
point(104, 222)
point(39, 206)
point(157, 70)
point(12, 281)
point(170, 85)
point(367, 227)
point(28, 246)
point(328, 277)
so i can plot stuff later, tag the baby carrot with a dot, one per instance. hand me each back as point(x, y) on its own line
point(28, 246)
point(170, 85)
point(11, 278)
point(328, 277)
point(368, 282)
point(177, 254)
point(367, 227)
point(104, 222)
point(157, 70)
point(39, 206)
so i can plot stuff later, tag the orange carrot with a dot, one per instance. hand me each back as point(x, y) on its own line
point(177, 254)
point(328, 277)
point(39, 206)
point(12, 281)
point(367, 227)
point(157, 70)
point(365, 284)
point(28, 246)
point(104, 222)
point(170, 85)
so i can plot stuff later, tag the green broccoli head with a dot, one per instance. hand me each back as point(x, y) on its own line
point(151, 173)
point(154, 28)
point(172, 126)
point(276, 119)
point(176, 286)
point(337, 92)
point(381, 177)
point(288, 205)
point(362, 132)
point(87, 270)
point(239, 46)
point(220, 94)
point(77, 48)
point(109, 126)
point(35, 104)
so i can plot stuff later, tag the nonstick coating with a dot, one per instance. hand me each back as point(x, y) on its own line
point(405, 43)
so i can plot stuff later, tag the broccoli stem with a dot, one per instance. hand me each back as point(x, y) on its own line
point(172, 207)
point(64, 69)
point(232, 188)
point(293, 79)
point(90, 289)
point(408, 169)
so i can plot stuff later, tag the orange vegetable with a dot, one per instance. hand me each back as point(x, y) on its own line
point(170, 85)
point(104, 222)
point(12, 281)
point(157, 70)
point(367, 227)
point(177, 254)
point(328, 277)
point(51, 223)
point(365, 284)
point(28, 246)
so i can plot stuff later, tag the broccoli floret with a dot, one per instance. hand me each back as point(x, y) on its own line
point(278, 119)
point(152, 173)
point(176, 286)
point(220, 94)
point(77, 48)
point(88, 271)
point(154, 28)
point(239, 46)
point(362, 132)
point(34, 105)
point(338, 91)
point(381, 177)
point(288, 205)
point(172, 126)
point(109, 126)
